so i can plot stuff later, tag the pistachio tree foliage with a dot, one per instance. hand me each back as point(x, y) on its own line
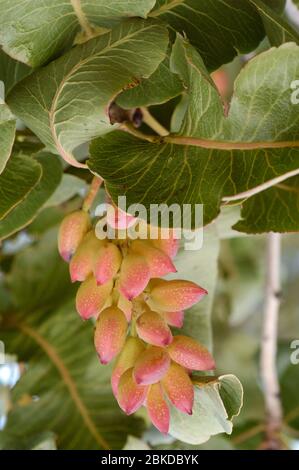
point(121, 92)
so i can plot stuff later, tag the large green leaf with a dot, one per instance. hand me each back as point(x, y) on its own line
point(190, 265)
point(19, 177)
point(11, 71)
point(217, 28)
point(65, 103)
point(218, 442)
point(43, 441)
point(60, 373)
point(69, 187)
point(7, 134)
point(38, 279)
point(276, 5)
point(27, 209)
point(133, 443)
point(289, 394)
point(261, 113)
point(33, 31)
point(277, 28)
point(214, 408)
point(64, 390)
point(161, 86)
point(276, 209)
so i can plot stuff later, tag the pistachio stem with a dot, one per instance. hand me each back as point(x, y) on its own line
point(93, 190)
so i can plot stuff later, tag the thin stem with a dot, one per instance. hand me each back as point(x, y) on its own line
point(93, 190)
point(268, 365)
point(151, 122)
point(262, 187)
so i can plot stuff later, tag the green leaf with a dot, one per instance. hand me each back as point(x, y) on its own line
point(289, 395)
point(162, 86)
point(277, 28)
point(4, 399)
point(64, 389)
point(47, 218)
point(34, 32)
point(133, 443)
point(217, 442)
point(231, 393)
point(65, 103)
point(277, 5)
point(228, 217)
point(7, 134)
point(11, 71)
point(19, 177)
point(219, 29)
point(69, 187)
point(189, 264)
point(38, 277)
point(215, 406)
point(261, 113)
point(276, 210)
point(43, 441)
point(60, 373)
point(5, 297)
point(27, 210)
point(179, 113)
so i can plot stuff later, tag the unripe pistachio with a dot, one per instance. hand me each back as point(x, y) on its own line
point(91, 298)
point(175, 295)
point(159, 262)
point(118, 219)
point(190, 354)
point(179, 388)
point(151, 366)
point(153, 329)
point(71, 232)
point(168, 245)
point(157, 408)
point(110, 333)
point(134, 276)
point(130, 396)
point(175, 319)
point(82, 262)
point(107, 263)
point(126, 306)
point(127, 358)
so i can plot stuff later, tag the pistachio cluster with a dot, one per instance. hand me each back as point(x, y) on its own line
point(121, 287)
